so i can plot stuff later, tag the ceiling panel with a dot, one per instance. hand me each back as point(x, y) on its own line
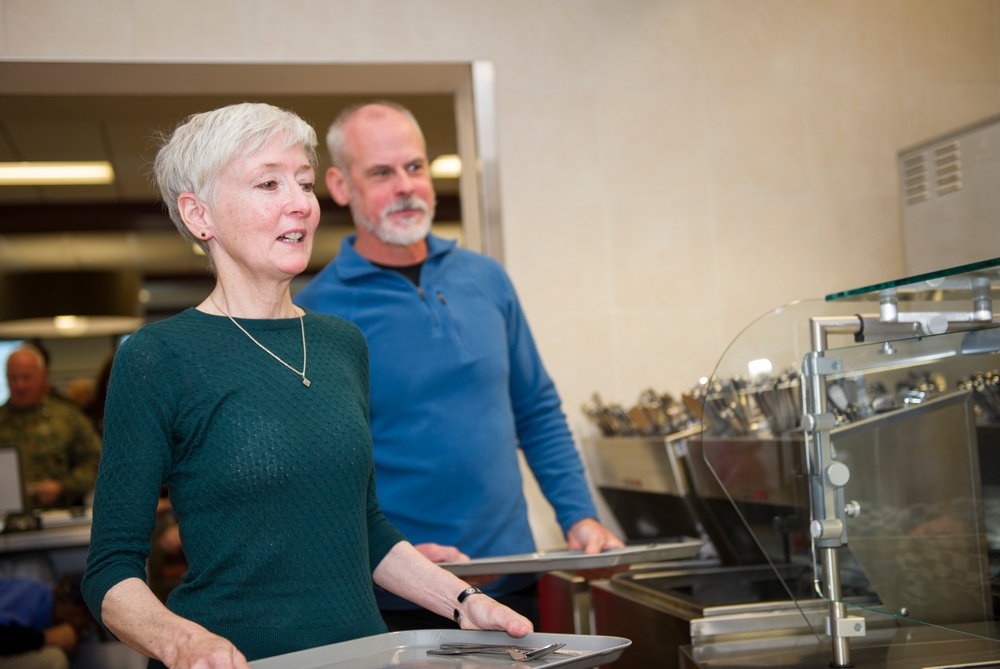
point(132, 149)
point(57, 139)
point(125, 130)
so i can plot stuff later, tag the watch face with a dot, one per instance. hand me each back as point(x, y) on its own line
point(465, 593)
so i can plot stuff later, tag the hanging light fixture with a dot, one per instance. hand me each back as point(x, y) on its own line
point(69, 304)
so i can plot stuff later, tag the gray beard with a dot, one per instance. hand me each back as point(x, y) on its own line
point(395, 235)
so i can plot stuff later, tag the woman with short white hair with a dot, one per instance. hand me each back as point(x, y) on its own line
point(254, 414)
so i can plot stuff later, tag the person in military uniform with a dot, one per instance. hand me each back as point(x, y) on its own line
point(59, 448)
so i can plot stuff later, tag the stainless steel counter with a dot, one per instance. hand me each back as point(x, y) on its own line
point(911, 647)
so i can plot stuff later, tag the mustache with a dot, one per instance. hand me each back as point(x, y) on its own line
point(405, 203)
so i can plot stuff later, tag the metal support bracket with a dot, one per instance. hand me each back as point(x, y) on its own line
point(848, 626)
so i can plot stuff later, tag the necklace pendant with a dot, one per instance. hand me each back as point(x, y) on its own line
point(306, 382)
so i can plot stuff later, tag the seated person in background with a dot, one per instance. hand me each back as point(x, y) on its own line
point(59, 448)
point(40, 625)
point(94, 409)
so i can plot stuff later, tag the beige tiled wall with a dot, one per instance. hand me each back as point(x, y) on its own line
point(671, 169)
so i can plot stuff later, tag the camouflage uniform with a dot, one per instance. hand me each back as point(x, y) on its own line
point(56, 441)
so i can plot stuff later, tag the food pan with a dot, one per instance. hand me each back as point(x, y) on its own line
point(408, 650)
point(681, 549)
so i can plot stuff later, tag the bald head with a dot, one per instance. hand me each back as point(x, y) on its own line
point(27, 378)
point(337, 140)
point(380, 170)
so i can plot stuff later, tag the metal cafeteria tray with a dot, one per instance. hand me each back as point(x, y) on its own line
point(409, 650)
point(681, 549)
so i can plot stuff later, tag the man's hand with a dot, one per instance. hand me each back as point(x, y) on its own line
point(591, 537)
point(47, 492)
point(62, 636)
point(439, 553)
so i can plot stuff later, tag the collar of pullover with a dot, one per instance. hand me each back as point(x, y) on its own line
point(351, 264)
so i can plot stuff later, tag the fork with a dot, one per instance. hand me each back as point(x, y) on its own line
point(518, 653)
point(535, 654)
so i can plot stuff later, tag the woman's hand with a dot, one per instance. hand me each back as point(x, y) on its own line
point(141, 621)
point(405, 571)
point(204, 650)
point(480, 612)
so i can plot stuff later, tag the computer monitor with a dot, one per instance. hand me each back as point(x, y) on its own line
point(11, 486)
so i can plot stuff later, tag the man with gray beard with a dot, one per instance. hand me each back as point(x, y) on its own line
point(457, 384)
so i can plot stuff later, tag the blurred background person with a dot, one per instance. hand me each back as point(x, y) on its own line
point(59, 448)
point(80, 391)
point(94, 409)
point(40, 624)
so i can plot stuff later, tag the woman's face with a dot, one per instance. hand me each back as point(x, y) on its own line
point(264, 213)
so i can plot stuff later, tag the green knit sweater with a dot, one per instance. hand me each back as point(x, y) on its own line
point(272, 481)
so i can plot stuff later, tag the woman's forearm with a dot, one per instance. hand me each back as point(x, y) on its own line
point(133, 614)
point(404, 571)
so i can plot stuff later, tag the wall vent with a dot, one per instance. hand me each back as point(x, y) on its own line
point(915, 179)
point(948, 168)
point(949, 188)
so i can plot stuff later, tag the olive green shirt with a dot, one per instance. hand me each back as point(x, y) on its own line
point(56, 441)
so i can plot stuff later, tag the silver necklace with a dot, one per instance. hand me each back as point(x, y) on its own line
point(306, 382)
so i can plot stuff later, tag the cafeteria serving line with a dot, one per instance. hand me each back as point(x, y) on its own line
point(844, 510)
point(821, 497)
point(850, 497)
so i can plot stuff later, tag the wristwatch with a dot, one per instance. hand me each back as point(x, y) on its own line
point(462, 596)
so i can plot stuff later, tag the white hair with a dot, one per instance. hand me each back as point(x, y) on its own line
point(200, 149)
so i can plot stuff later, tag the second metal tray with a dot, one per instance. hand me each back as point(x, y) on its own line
point(681, 549)
point(409, 649)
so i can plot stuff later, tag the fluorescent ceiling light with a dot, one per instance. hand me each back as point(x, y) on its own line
point(86, 173)
point(447, 166)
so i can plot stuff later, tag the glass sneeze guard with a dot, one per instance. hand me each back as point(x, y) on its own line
point(855, 439)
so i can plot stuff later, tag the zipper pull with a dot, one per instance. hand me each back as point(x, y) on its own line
point(441, 299)
point(421, 292)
